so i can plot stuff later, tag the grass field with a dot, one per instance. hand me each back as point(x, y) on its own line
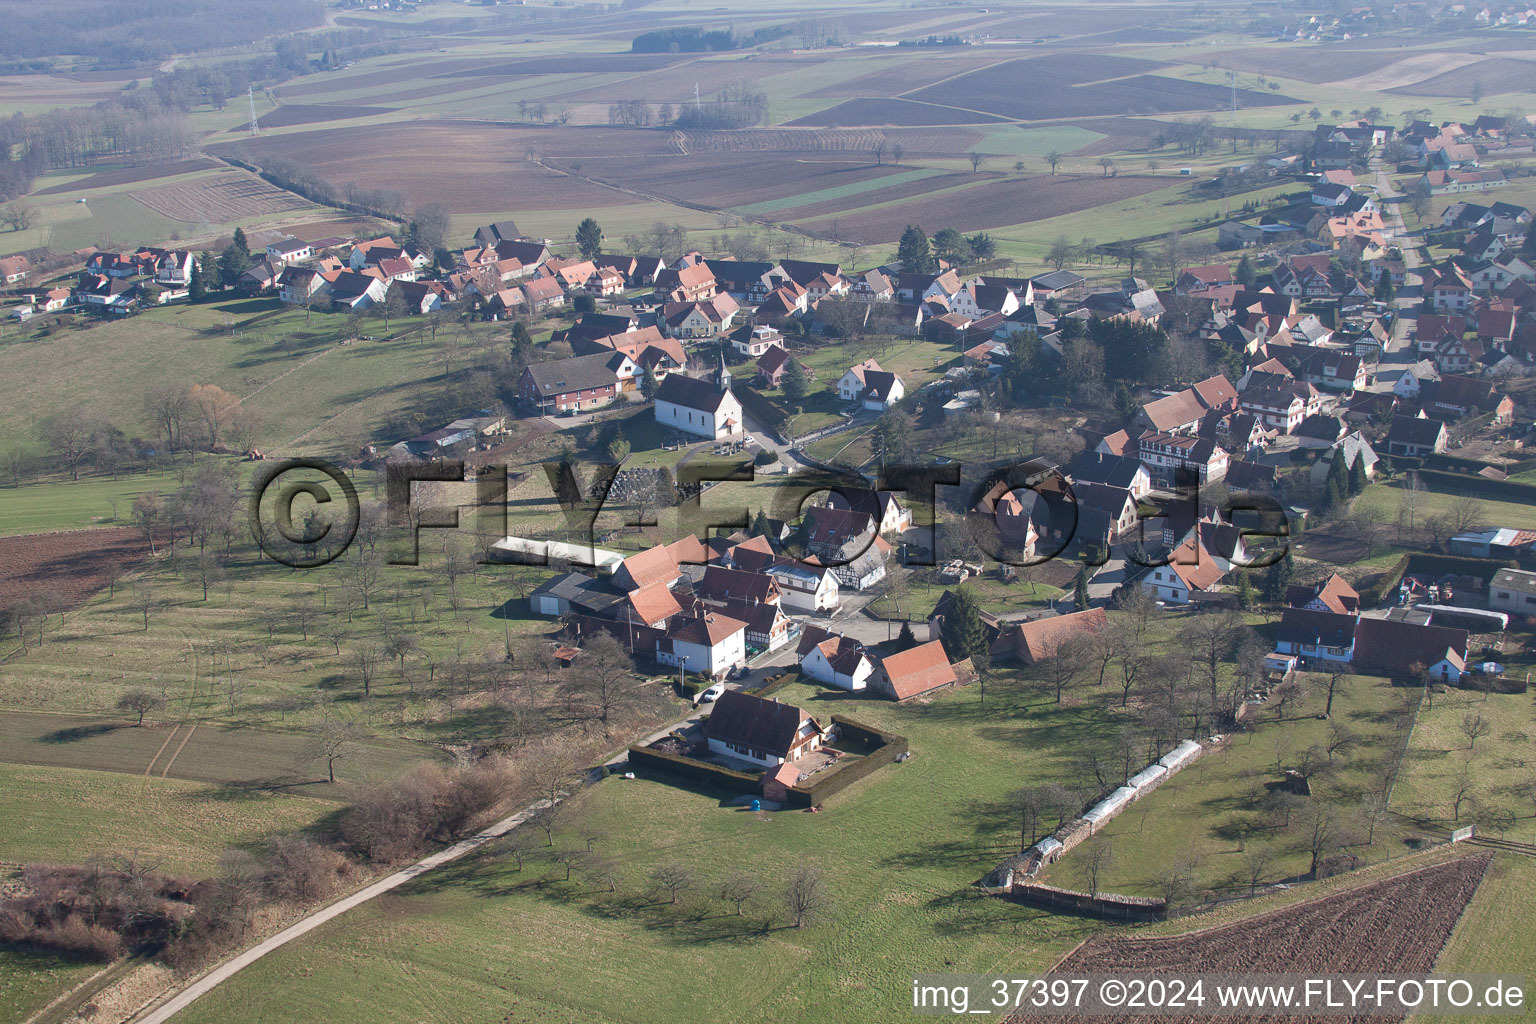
point(240, 759)
point(69, 814)
point(29, 981)
point(75, 504)
point(1497, 765)
point(900, 850)
point(1201, 814)
point(1384, 499)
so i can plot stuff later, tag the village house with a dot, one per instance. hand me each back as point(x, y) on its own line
point(755, 342)
point(687, 284)
point(761, 731)
point(1167, 455)
point(846, 542)
point(579, 382)
point(1419, 435)
point(297, 285)
point(356, 291)
point(1040, 639)
point(14, 269)
point(711, 644)
point(700, 319)
point(913, 673)
point(704, 408)
point(881, 506)
point(834, 659)
point(1191, 570)
point(852, 383)
point(1331, 594)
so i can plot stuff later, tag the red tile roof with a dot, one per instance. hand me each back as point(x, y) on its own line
point(917, 671)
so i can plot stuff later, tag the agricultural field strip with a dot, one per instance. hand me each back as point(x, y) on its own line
point(838, 191)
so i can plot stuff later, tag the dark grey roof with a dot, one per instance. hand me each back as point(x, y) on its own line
point(1096, 468)
point(691, 393)
point(1056, 280)
point(1411, 430)
point(754, 722)
point(559, 376)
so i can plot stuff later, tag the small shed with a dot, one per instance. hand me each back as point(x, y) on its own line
point(778, 781)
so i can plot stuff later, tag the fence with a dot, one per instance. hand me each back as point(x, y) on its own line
point(1105, 904)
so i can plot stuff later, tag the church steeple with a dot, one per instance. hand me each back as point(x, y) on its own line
point(722, 375)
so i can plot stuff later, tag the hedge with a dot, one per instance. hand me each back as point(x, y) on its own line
point(1478, 486)
point(676, 764)
point(763, 409)
point(888, 747)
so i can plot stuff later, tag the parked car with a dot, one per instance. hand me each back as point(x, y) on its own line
point(712, 694)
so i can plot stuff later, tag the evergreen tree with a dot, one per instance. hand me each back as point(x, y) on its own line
point(232, 264)
point(794, 382)
point(522, 341)
point(1336, 489)
point(1244, 590)
point(649, 384)
point(1357, 479)
point(1385, 292)
point(951, 245)
point(197, 288)
point(1277, 578)
point(240, 242)
point(983, 246)
point(589, 238)
point(760, 526)
point(913, 251)
point(962, 631)
point(1245, 272)
point(905, 637)
point(1080, 590)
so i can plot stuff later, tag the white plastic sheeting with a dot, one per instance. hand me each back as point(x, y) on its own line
point(1149, 776)
point(1048, 848)
point(1180, 754)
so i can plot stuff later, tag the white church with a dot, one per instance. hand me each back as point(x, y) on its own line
point(701, 406)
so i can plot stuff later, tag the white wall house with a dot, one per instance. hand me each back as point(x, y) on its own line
point(710, 645)
point(844, 669)
point(804, 588)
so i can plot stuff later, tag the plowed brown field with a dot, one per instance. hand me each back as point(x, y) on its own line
point(1393, 927)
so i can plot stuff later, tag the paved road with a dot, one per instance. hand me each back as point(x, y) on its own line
point(181, 1000)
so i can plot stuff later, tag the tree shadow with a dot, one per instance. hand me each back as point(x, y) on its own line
point(76, 733)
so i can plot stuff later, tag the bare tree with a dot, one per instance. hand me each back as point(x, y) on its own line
point(518, 844)
point(806, 894)
point(1473, 726)
point(1320, 836)
point(552, 770)
point(1461, 790)
point(739, 888)
point(334, 740)
point(604, 679)
point(364, 658)
point(672, 879)
point(568, 858)
point(602, 871)
point(1257, 860)
point(139, 703)
point(1095, 859)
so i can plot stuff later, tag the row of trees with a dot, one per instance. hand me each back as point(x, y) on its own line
point(920, 255)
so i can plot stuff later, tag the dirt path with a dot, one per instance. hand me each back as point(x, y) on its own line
point(151, 766)
point(180, 747)
point(206, 983)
